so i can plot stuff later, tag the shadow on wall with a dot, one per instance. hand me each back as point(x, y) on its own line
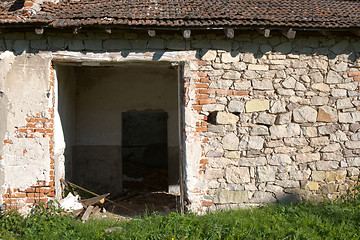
point(257, 45)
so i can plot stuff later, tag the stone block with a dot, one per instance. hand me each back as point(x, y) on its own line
point(333, 77)
point(222, 44)
point(338, 92)
point(232, 154)
point(307, 157)
point(233, 75)
point(284, 118)
point(319, 141)
point(288, 183)
point(278, 106)
point(252, 162)
point(21, 46)
point(280, 160)
point(289, 83)
point(230, 142)
point(354, 162)
point(340, 47)
point(38, 44)
point(156, 43)
point(213, 107)
point(331, 148)
point(304, 114)
point(259, 131)
point(230, 57)
point(176, 44)
point(236, 106)
point(117, 44)
point(262, 84)
point(312, 186)
point(352, 144)
point(138, 44)
point(255, 142)
point(281, 131)
point(93, 44)
point(326, 165)
point(212, 173)
point(319, 101)
point(327, 114)
point(238, 66)
point(344, 103)
point(223, 196)
point(263, 197)
point(328, 188)
point(237, 175)
point(318, 176)
point(284, 48)
point(258, 67)
point(226, 118)
point(321, 87)
point(208, 55)
point(257, 105)
point(265, 118)
point(266, 173)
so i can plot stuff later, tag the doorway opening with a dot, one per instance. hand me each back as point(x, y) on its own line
point(121, 131)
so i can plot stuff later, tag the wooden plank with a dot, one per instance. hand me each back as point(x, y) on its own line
point(96, 210)
point(99, 195)
point(87, 213)
point(93, 200)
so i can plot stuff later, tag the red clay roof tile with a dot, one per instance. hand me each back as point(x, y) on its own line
point(190, 13)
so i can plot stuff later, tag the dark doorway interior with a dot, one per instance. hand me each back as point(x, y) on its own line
point(144, 151)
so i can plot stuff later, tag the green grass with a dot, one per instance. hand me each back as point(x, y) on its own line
point(337, 220)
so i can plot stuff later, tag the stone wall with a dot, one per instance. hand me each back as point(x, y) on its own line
point(266, 119)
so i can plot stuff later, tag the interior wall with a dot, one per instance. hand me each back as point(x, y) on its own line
point(103, 94)
point(66, 76)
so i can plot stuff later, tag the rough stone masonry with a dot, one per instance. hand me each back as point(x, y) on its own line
point(265, 119)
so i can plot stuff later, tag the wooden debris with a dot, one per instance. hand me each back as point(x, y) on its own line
point(96, 210)
point(87, 213)
point(117, 204)
point(94, 200)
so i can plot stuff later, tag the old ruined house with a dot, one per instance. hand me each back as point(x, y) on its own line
point(252, 101)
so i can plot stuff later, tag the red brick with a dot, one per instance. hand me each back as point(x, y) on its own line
point(204, 160)
point(28, 4)
point(35, 195)
point(201, 63)
point(207, 91)
point(240, 93)
point(202, 74)
point(30, 125)
point(36, 200)
point(7, 141)
point(201, 129)
point(201, 96)
point(224, 92)
point(206, 203)
point(357, 79)
point(352, 74)
point(202, 166)
point(19, 195)
point(205, 80)
point(201, 85)
point(207, 101)
point(51, 194)
point(197, 107)
point(204, 140)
